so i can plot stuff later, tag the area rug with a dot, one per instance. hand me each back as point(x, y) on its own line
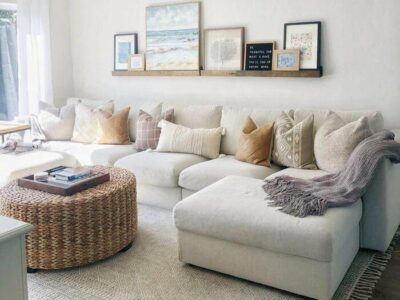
point(151, 270)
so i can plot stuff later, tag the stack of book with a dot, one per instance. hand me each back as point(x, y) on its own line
point(69, 175)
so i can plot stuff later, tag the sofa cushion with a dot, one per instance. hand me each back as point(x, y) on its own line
point(201, 175)
point(195, 116)
point(113, 128)
point(233, 118)
point(157, 168)
point(375, 119)
point(298, 173)
point(91, 154)
point(234, 210)
point(153, 108)
point(24, 164)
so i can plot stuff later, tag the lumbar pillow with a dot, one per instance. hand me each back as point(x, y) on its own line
point(56, 123)
point(147, 130)
point(335, 141)
point(86, 123)
point(293, 143)
point(255, 143)
point(200, 141)
point(113, 128)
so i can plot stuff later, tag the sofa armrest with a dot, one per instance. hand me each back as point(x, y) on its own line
point(381, 208)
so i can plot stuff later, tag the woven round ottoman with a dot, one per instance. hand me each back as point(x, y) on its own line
point(76, 230)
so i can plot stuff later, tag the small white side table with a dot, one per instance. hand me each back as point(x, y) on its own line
point(13, 284)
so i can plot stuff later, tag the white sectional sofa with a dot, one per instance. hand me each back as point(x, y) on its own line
point(223, 221)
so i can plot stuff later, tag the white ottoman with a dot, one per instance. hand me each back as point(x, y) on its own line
point(228, 227)
point(24, 164)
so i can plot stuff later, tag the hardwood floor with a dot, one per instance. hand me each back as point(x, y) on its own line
point(388, 287)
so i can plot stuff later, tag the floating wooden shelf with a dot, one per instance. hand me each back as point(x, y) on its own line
point(303, 74)
point(156, 73)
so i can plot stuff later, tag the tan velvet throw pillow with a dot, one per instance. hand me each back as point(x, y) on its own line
point(294, 142)
point(113, 128)
point(255, 143)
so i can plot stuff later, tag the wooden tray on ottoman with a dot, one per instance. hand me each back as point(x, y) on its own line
point(63, 189)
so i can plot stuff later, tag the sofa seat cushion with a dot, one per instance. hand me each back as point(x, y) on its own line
point(158, 168)
point(201, 175)
point(234, 210)
point(91, 154)
point(299, 173)
point(24, 164)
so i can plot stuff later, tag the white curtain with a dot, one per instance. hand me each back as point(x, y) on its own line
point(34, 59)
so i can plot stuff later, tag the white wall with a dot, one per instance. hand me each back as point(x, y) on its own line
point(360, 54)
point(61, 61)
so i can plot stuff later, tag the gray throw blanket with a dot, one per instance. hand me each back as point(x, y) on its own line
point(301, 198)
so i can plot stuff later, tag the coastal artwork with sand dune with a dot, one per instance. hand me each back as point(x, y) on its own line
point(172, 37)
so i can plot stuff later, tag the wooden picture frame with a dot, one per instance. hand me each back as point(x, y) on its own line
point(130, 46)
point(286, 60)
point(236, 65)
point(154, 58)
point(137, 62)
point(305, 36)
point(262, 67)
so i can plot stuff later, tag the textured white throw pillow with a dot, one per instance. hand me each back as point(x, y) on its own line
point(200, 141)
point(86, 121)
point(335, 141)
point(56, 123)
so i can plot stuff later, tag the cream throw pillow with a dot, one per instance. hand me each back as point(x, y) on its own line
point(335, 141)
point(293, 142)
point(178, 138)
point(113, 128)
point(86, 124)
point(56, 123)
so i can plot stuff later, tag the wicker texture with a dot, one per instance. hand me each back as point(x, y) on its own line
point(76, 230)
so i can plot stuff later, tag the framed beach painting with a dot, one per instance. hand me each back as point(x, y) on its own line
point(125, 44)
point(223, 49)
point(173, 37)
point(306, 37)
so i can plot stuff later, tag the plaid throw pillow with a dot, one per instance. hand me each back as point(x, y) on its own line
point(147, 130)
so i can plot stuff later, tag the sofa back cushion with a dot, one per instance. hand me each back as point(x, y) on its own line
point(151, 108)
point(375, 119)
point(195, 116)
point(233, 118)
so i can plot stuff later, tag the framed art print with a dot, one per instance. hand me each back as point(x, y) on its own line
point(306, 37)
point(173, 37)
point(136, 62)
point(286, 60)
point(124, 45)
point(223, 49)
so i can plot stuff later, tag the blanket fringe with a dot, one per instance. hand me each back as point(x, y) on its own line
point(291, 200)
point(364, 288)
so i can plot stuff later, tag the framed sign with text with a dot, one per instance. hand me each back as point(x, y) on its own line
point(258, 56)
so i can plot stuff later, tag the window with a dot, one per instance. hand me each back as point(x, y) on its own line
point(8, 62)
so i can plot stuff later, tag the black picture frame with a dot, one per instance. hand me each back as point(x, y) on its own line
point(135, 39)
point(258, 55)
point(318, 67)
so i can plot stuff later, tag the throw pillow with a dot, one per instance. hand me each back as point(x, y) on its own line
point(86, 124)
point(200, 141)
point(147, 130)
point(293, 142)
point(255, 143)
point(113, 128)
point(56, 123)
point(335, 141)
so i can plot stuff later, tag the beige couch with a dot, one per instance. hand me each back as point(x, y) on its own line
point(223, 221)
